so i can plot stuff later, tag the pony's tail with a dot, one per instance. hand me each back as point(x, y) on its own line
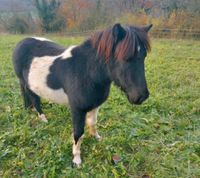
point(25, 95)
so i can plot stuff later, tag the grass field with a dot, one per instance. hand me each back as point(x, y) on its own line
point(160, 138)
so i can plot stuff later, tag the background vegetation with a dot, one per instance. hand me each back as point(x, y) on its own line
point(158, 139)
point(37, 16)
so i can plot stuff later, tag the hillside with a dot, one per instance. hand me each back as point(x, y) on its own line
point(16, 5)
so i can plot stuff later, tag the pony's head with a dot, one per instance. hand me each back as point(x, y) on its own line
point(124, 50)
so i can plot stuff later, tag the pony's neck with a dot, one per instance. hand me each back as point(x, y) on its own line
point(98, 66)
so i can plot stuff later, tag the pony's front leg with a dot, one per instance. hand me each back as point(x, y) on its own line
point(91, 122)
point(78, 118)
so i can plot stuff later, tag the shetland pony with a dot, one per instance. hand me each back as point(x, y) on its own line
point(81, 76)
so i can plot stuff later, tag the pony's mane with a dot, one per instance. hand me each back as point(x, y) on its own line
point(107, 47)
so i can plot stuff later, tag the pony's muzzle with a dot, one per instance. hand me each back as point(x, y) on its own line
point(139, 98)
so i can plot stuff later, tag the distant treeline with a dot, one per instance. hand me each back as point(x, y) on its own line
point(83, 15)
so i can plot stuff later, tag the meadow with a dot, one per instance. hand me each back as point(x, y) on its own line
point(159, 139)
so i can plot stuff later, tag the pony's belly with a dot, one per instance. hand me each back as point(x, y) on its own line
point(56, 96)
point(37, 80)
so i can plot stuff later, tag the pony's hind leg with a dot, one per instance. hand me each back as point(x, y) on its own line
point(37, 104)
point(32, 100)
point(25, 95)
point(91, 122)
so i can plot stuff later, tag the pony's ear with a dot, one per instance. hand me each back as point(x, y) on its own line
point(118, 32)
point(147, 28)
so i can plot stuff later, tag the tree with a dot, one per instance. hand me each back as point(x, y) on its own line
point(48, 13)
point(75, 11)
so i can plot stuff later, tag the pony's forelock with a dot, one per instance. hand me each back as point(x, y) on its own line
point(104, 43)
point(126, 47)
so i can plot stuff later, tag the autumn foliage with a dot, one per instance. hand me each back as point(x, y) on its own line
point(75, 12)
point(179, 17)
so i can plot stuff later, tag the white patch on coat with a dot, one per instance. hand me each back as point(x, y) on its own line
point(76, 150)
point(91, 120)
point(41, 39)
point(92, 117)
point(67, 53)
point(37, 78)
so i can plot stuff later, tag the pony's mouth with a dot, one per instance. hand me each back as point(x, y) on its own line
point(138, 100)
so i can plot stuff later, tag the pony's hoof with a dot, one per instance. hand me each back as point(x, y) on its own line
point(98, 137)
point(43, 118)
point(74, 165)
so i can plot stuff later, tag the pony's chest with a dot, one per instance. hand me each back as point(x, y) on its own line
point(37, 80)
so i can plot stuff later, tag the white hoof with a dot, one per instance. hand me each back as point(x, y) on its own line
point(77, 161)
point(98, 137)
point(43, 118)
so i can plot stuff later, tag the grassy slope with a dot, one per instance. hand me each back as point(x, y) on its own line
point(160, 138)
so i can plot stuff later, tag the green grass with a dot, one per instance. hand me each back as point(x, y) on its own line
point(160, 138)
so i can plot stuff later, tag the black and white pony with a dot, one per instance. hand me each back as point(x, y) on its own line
point(81, 75)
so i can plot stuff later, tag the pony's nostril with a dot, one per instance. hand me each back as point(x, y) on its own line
point(137, 100)
point(140, 99)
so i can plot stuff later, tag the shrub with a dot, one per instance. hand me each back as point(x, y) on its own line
point(17, 25)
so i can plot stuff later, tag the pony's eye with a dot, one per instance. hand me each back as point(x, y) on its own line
point(138, 48)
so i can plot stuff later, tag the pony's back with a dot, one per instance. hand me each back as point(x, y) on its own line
point(31, 47)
